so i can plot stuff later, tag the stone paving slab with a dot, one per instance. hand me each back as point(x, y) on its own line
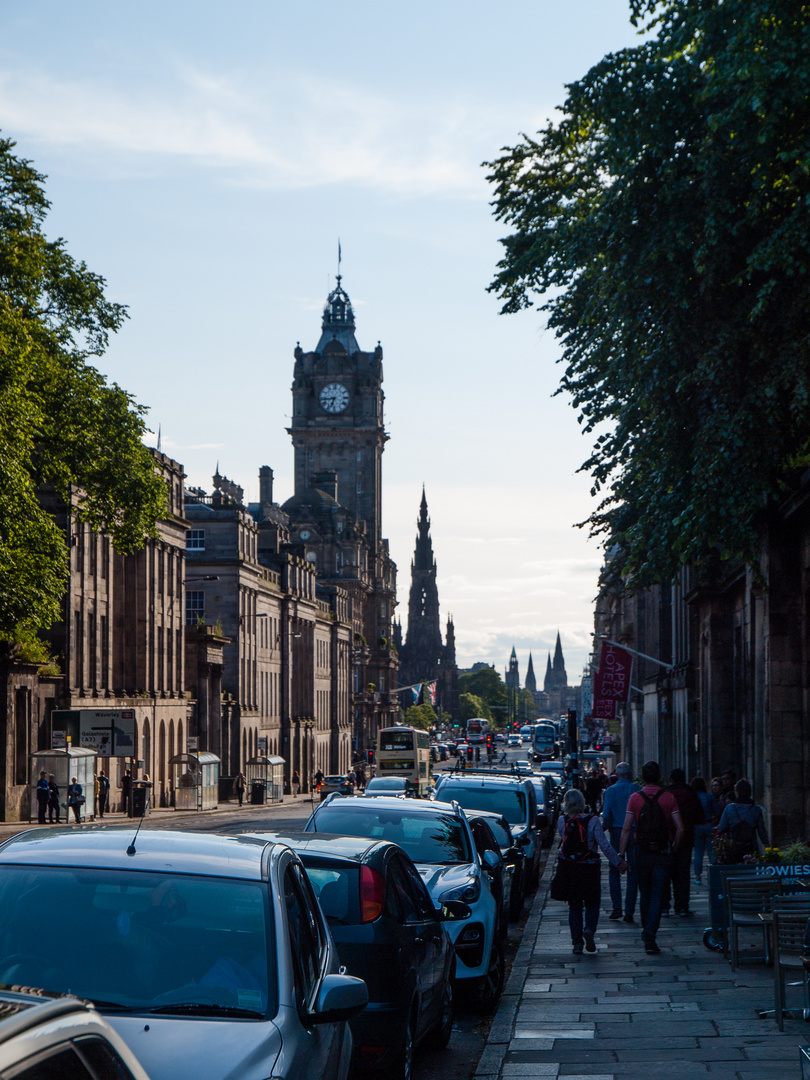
point(620, 1014)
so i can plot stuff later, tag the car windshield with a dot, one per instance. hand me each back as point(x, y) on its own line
point(427, 837)
point(388, 782)
point(503, 799)
point(138, 940)
point(338, 889)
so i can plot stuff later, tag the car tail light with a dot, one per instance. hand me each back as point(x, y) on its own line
point(372, 894)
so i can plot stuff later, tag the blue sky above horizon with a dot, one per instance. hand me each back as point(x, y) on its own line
point(205, 159)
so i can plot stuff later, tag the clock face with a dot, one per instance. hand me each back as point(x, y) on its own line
point(304, 534)
point(334, 397)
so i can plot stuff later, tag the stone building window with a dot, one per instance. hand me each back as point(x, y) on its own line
point(195, 608)
point(195, 539)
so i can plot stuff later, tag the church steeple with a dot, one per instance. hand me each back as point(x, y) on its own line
point(513, 674)
point(560, 675)
point(423, 640)
point(531, 681)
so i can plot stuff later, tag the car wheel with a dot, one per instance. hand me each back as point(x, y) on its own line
point(401, 1067)
point(439, 1037)
point(489, 987)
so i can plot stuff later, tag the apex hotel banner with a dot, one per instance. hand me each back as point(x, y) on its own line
point(611, 684)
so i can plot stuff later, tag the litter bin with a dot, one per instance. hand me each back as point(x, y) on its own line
point(258, 792)
point(140, 793)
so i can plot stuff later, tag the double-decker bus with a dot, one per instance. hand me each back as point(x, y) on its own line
point(477, 731)
point(405, 752)
point(544, 741)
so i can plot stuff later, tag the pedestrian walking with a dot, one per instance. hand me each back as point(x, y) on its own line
point(239, 783)
point(703, 833)
point(75, 795)
point(296, 783)
point(126, 790)
point(577, 873)
point(593, 790)
point(743, 823)
point(691, 811)
point(103, 792)
point(614, 809)
point(54, 813)
point(654, 815)
point(727, 781)
point(43, 794)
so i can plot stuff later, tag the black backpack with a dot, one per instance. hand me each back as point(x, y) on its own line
point(652, 831)
point(743, 837)
point(574, 846)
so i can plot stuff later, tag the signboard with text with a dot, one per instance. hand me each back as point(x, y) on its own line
point(110, 732)
point(611, 684)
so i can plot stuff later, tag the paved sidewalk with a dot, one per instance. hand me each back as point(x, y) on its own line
point(619, 1014)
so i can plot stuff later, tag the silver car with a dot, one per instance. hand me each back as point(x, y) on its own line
point(209, 955)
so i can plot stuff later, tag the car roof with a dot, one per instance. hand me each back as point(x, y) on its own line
point(484, 778)
point(354, 848)
point(163, 850)
point(389, 802)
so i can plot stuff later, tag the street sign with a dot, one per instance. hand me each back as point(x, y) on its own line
point(191, 744)
point(110, 732)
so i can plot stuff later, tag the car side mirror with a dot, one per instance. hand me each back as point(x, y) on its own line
point(513, 856)
point(490, 860)
point(451, 910)
point(340, 998)
point(542, 820)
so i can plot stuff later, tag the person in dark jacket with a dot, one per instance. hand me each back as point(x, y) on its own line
point(43, 794)
point(54, 813)
point(691, 810)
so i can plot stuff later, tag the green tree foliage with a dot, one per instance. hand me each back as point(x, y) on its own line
point(487, 685)
point(61, 424)
point(665, 218)
point(470, 706)
point(421, 716)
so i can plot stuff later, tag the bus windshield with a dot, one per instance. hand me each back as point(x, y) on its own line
point(396, 740)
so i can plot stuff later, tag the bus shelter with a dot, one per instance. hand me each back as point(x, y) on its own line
point(194, 781)
point(265, 779)
point(65, 764)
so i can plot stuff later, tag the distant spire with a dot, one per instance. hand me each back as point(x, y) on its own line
point(158, 442)
point(340, 256)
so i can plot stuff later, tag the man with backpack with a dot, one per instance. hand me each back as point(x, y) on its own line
point(743, 823)
point(691, 810)
point(658, 832)
point(614, 809)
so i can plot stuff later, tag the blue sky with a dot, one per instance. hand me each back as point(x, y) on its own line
point(205, 157)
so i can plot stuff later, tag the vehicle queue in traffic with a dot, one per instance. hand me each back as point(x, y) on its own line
point(293, 955)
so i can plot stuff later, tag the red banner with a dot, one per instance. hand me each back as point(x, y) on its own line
point(611, 684)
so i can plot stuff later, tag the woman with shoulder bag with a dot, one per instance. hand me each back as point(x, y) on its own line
point(75, 799)
point(577, 873)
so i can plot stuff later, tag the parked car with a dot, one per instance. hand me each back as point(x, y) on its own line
point(437, 837)
point(43, 1037)
point(504, 793)
point(546, 808)
point(389, 785)
point(340, 784)
point(209, 955)
point(512, 854)
point(388, 933)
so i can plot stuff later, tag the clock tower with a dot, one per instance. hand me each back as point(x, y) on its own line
point(337, 421)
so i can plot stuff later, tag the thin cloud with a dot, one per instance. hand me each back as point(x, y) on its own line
point(289, 130)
